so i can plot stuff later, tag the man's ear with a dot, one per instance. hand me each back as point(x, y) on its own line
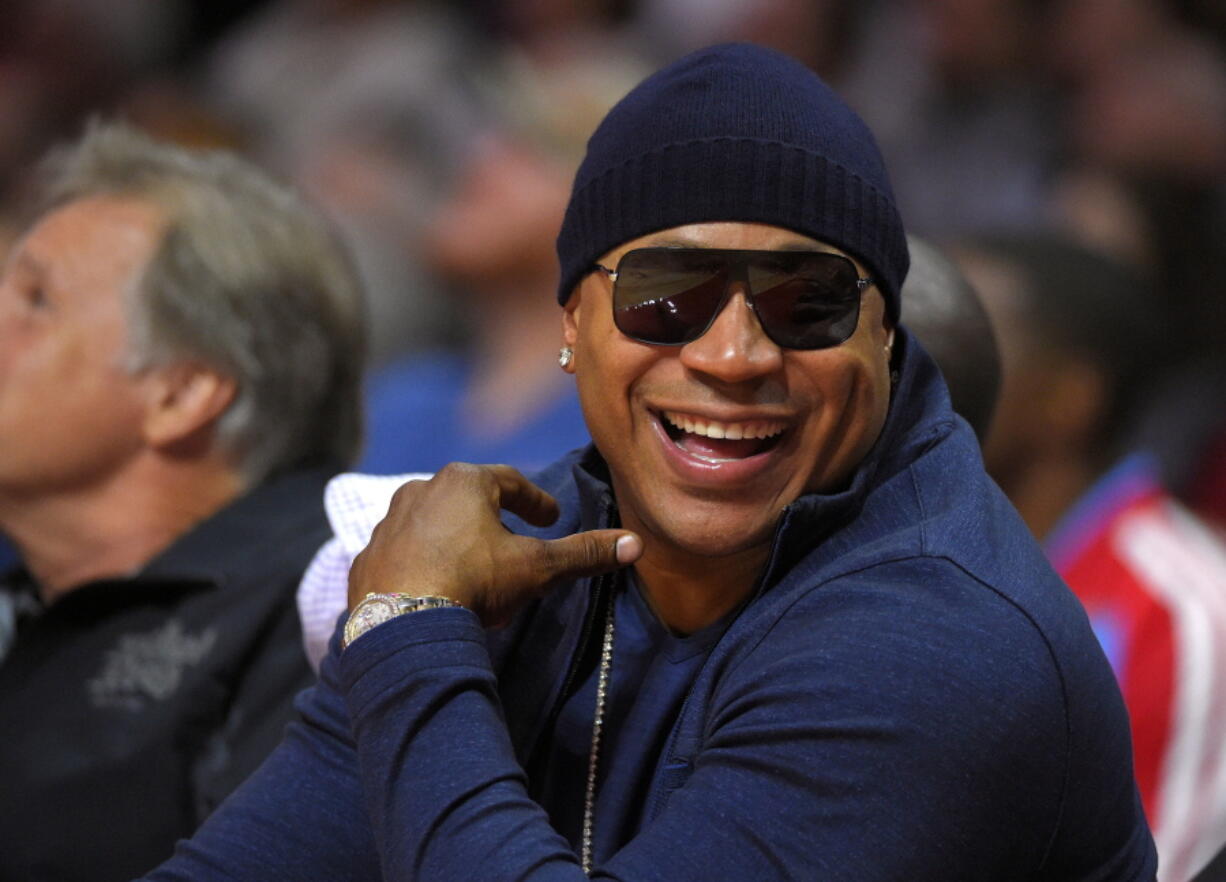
point(887, 323)
point(570, 325)
point(185, 401)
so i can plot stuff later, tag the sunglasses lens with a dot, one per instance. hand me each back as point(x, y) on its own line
point(806, 301)
point(668, 296)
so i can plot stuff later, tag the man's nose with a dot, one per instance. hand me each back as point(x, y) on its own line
point(735, 348)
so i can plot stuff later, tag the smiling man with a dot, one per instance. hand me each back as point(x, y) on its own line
point(775, 623)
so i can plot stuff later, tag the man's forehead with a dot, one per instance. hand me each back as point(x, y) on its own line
point(728, 234)
point(104, 221)
point(96, 238)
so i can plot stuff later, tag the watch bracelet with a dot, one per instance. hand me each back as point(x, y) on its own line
point(362, 617)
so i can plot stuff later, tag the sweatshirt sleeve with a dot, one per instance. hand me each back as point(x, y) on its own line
point(446, 796)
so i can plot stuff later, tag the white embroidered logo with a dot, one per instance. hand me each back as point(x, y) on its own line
point(148, 666)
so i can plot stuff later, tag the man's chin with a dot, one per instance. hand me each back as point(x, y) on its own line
point(714, 539)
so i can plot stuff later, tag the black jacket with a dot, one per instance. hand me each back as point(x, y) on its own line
point(131, 707)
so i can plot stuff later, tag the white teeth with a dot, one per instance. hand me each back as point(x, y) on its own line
point(730, 431)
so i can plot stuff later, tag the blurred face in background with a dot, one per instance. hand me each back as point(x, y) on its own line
point(1051, 396)
point(970, 40)
point(1085, 35)
point(1160, 114)
point(500, 222)
point(70, 411)
point(1014, 428)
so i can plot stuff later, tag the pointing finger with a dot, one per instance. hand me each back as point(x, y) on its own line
point(589, 554)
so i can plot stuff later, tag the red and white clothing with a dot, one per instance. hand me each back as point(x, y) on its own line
point(1153, 579)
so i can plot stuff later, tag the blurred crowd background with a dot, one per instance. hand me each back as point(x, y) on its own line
point(442, 136)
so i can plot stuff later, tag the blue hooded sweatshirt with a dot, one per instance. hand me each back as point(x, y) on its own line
point(910, 694)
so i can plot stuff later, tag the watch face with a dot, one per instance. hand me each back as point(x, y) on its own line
point(374, 610)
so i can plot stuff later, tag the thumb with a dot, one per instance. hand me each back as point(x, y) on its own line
point(590, 553)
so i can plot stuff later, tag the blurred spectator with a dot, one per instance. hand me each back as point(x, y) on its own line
point(820, 33)
point(1089, 35)
point(180, 351)
point(557, 32)
point(366, 105)
point(943, 311)
point(962, 107)
point(1147, 117)
point(1078, 337)
point(1147, 180)
point(503, 399)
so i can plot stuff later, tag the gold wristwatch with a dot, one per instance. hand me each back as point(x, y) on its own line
point(375, 609)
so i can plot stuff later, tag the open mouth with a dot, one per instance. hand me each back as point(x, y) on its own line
point(714, 441)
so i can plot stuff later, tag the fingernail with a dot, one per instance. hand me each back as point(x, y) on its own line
point(629, 547)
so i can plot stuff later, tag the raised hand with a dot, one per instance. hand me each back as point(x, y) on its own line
point(443, 537)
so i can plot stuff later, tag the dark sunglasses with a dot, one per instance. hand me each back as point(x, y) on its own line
point(670, 296)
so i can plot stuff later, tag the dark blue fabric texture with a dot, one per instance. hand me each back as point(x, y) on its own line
point(651, 675)
point(911, 694)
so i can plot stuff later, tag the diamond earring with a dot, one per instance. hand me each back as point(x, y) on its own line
point(565, 356)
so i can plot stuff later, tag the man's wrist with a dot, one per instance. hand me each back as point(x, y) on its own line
point(375, 609)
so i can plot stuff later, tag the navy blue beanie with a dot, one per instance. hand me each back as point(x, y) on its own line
point(734, 133)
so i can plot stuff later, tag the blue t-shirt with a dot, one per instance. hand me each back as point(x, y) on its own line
point(651, 674)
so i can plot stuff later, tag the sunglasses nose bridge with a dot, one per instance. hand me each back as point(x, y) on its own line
point(738, 283)
point(734, 346)
point(738, 278)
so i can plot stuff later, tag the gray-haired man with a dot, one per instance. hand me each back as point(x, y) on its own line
point(180, 346)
